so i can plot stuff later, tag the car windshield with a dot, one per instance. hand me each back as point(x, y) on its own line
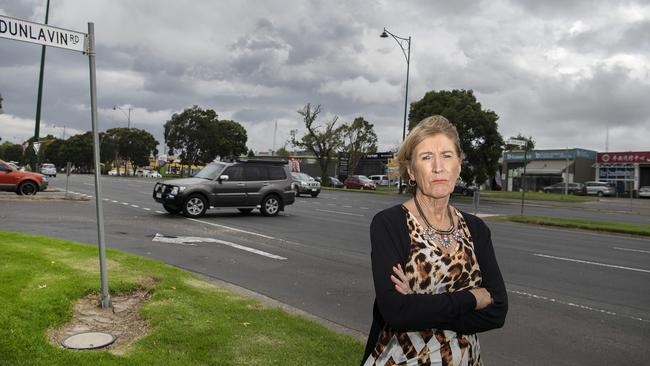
point(210, 171)
point(301, 176)
point(363, 178)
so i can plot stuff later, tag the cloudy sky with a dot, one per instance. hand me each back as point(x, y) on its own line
point(563, 72)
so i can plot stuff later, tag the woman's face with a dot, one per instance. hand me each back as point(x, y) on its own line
point(435, 166)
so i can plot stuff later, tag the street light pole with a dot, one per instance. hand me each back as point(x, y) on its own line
point(128, 116)
point(407, 54)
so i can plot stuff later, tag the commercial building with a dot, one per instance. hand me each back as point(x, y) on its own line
point(546, 167)
point(627, 170)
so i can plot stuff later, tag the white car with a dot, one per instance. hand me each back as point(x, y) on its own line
point(48, 170)
point(153, 174)
point(644, 192)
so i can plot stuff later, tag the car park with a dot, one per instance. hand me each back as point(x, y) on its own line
point(245, 184)
point(21, 182)
point(600, 189)
point(48, 169)
point(304, 183)
point(380, 180)
point(571, 188)
point(644, 192)
point(359, 182)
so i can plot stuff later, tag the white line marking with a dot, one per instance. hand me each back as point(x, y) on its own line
point(146, 209)
point(633, 250)
point(160, 212)
point(114, 201)
point(365, 208)
point(234, 229)
point(584, 307)
point(125, 203)
point(106, 199)
point(338, 212)
point(189, 240)
point(594, 263)
point(347, 206)
point(136, 206)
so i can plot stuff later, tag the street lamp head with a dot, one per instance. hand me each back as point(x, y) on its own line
point(383, 34)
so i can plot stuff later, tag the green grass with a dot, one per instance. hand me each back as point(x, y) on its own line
point(191, 322)
point(537, 196)
point(634, 229)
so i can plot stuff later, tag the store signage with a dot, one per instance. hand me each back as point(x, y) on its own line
point(624, 157)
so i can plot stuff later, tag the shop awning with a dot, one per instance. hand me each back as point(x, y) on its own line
point(544, 167)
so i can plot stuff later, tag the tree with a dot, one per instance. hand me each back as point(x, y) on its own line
point(282, 152)
point(78, 150)
point(359, 138)
point(198, 136)
point(12, 152)
point(322, 141)
point(251, 153)
point(132, 145)
point(477, 129)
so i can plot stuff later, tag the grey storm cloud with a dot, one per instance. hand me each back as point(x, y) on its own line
point(548, 68)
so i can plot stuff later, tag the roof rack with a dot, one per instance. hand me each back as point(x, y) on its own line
point(279, 161)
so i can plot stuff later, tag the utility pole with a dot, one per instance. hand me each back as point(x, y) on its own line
point(37, 125)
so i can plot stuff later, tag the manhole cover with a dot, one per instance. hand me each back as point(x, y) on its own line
point(88, 340)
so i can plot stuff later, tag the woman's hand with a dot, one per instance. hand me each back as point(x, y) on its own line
point(482, 296)
point(400, 280)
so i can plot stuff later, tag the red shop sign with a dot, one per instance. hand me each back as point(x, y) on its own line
point(629, 157)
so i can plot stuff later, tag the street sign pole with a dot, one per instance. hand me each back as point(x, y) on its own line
point(105, 296)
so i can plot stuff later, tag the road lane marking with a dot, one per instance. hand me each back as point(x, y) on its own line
point(136, 206)
point(160, 212)
point(338, 212)
point(633, 250)
point(594, 263)
point(125, 203)
point(583, 307)
point(190, 240)
point(234, 229)
point(365, 208)
point(146, 209)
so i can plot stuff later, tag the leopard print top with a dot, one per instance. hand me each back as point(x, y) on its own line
point(431, 271)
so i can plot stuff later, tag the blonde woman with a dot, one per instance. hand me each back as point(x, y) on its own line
point(437, 281)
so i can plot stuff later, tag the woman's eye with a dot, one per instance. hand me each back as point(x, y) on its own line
point(426, 157)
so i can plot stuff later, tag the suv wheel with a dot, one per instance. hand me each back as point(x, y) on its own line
point(270, 205)
point(171, 210)
point(27, 189)
point(245, 210)
point(195, 206)
point(600, 193)
point(297, 190)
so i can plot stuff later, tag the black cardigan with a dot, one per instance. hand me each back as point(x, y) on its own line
point(453, 311)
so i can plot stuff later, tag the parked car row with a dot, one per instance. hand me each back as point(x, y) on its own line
point(593, 188)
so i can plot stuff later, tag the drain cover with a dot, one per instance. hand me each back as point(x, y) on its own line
point(88, 340)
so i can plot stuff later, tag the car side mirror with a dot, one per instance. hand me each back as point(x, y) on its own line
point(223, 177)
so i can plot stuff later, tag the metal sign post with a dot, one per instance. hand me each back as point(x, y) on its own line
point(45, 35)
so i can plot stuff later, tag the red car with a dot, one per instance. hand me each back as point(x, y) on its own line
point(359, 182)
point(23, 183)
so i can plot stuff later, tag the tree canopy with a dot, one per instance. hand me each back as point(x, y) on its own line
point(477, 129)
point(197, 136)
point(322, 141)
point(359, 138)
point(131, 145)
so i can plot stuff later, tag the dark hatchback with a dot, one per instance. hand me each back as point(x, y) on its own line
point(243, 184)
point(573, 188)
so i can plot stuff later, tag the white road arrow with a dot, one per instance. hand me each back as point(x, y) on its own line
point(191, 240)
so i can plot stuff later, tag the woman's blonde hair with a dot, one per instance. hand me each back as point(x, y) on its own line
point(426, 128)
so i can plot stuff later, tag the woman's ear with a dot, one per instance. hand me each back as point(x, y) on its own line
point(411, 175)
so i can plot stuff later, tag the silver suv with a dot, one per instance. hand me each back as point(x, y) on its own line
point(600, 188)
point(244, 184)
point(304, 183)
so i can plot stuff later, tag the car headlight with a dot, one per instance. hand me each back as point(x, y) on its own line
point(177, 189)
point(304, 184)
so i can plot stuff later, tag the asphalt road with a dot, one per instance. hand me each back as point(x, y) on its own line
point(575, 297)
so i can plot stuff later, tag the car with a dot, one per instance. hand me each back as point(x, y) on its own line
point(303, 183)
point(153, 174)
point(644, 192)
point(359, 182)
point(380, 180)
point(572, 188)
point(113, 172)
point(464, 189)
point(335, 182)
point(600, 189)
point(21, 182)
point(48, 169)
point(245, 184)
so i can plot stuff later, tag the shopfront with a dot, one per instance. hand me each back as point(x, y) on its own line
point(627, 170)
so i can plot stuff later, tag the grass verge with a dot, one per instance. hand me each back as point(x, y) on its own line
point(191, 321)
point(537, 196)
point(634, 229)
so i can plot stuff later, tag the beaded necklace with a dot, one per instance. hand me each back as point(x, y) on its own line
point(431, 233)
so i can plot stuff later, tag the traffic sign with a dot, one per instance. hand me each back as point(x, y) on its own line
point(22, 30)
point(516, 142)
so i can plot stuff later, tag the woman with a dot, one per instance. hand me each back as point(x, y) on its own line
point(437, 282)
